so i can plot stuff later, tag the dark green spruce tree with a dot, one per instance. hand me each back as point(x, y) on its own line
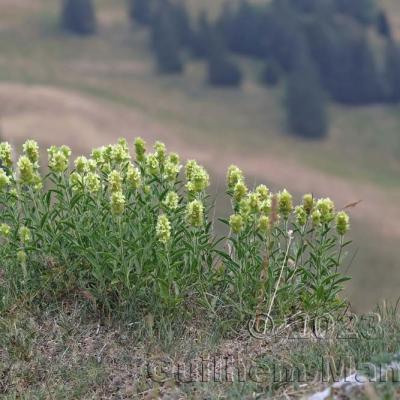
point(306, 103)
point(383, 25)
point(346, 61)
point(199, 40)
point(313, 6)
point(166, 45)
point(285, 37)
point(271, 73)
point(247, 29)
point(363, 11)
point(392, 75)
point(141, 11)
point(222, 70)
point(355, 78)
point(181, 17)
point(78, 16)
point(225, 23)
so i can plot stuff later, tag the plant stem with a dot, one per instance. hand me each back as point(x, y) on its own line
point(280, 274)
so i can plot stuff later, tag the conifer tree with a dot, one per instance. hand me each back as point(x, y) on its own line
point(306, 102)
point(200, 37)
point(248, 30)
point(141, 11)
point(271, 73)
point(165, 39)
point(222, 70)
point(354, 77)
point(392, 76)
point(346, 62)
point(362, 10)
point(286, 41)
point(383, 25)
point(181, 17)
point(78, 16)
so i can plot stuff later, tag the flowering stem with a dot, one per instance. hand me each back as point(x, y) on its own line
point(281, 273)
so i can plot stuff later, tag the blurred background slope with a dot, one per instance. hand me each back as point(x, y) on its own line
point(110, 75)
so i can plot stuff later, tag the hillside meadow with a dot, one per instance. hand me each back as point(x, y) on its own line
point(136, 274)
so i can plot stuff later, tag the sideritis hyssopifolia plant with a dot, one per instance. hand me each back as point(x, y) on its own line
point(282, 259)
point(135, 234)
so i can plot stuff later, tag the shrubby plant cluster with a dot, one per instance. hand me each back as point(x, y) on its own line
point(138, 234)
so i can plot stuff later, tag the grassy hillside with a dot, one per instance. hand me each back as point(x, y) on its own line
point(91, 89)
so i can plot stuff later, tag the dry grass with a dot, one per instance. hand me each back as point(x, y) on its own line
point(90, 91)
point(66, 353)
